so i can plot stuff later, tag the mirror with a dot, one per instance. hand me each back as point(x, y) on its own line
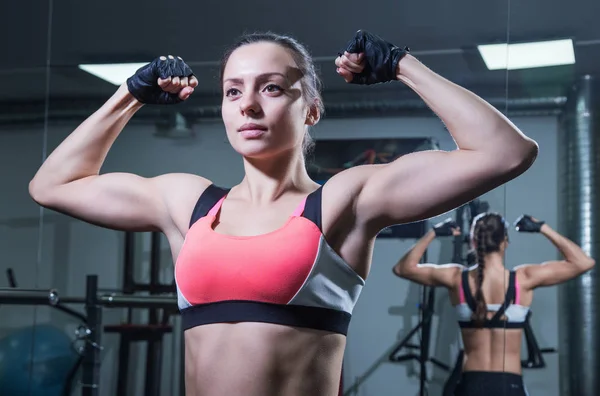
point(134, 270)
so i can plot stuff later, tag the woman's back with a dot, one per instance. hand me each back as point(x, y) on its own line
point(496, 345)
point(492, 303)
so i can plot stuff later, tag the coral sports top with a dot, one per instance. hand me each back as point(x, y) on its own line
point(290, 276)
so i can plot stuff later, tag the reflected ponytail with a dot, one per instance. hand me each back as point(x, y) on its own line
point(488, 232)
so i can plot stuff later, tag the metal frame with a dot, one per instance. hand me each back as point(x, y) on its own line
point(426, 310)
point(535, 357)
point(151, 333)
point(93, 304)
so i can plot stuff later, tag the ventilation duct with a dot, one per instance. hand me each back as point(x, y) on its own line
point(579, 215)
point(77, 110)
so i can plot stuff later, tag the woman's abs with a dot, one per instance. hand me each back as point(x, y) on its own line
point(260, 359)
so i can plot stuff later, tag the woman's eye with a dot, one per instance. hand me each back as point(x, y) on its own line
point(231, 92)
point(273, 88)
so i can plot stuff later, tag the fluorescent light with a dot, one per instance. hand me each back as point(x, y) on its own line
point(114, 73)
point(527, 55)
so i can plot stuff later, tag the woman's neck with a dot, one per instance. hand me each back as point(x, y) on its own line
point(494, 262)
point(267, 179)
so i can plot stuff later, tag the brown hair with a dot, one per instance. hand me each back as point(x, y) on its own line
point(488, 232)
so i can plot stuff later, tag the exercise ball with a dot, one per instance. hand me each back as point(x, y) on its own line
point(36, 361)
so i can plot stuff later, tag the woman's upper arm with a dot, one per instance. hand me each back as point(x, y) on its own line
point(549, 273)
point(425, 184)
point(447, 275)
point(124, 201)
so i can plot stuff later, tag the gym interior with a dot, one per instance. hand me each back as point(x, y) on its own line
point(93, 311)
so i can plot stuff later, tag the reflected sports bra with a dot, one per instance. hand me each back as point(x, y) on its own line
point(290, 276)
point(515, 314)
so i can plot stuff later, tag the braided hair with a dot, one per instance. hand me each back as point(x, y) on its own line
point(488, 231)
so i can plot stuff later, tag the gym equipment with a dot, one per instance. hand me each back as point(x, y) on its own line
point(535, 358)
point(91, 332)
point(150, 334)
point(450, 384)
point(38, 360)
point(424, 325)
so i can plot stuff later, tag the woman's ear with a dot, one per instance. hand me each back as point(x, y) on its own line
point(313, 115)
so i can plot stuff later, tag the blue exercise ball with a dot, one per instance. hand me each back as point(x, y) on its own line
point(36, 361)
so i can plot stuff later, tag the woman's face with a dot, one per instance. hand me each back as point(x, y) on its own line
point(263, 108)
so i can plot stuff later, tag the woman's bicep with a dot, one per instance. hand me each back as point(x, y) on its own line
point(120, 201)
point(425, 184)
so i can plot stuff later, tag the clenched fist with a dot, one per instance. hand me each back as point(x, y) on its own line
point(165, 80)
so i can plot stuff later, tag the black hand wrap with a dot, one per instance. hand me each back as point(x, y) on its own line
point(380, 58)
point(445, 228)
point(526, 224)
point(143, 85)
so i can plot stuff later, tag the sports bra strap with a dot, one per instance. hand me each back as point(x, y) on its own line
point(212, 198)
point(467, 291)
point(211, 195)
point(508, 298)
point(215, 209)
point(312, 207)
point(299, 209)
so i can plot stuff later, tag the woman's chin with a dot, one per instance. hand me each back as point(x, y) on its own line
point(259, 150)
point(255, 150)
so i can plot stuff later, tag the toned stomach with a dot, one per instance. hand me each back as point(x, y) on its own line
point(261, 359)
point(496, 350)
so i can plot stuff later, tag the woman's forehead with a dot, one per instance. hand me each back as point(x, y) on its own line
point(258, 59)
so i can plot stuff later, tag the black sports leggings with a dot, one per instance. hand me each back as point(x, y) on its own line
point(488, 383)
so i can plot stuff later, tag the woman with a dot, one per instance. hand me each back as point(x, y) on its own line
point(492, 302)
point(268, 271)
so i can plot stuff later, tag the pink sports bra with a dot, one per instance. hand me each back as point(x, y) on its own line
point(290, 276)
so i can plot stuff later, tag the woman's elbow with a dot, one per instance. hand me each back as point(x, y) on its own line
point(519, 159)
point(588, 264)
point(39, 192)
point(405, 270)
point(34, 190)
point(399, 271)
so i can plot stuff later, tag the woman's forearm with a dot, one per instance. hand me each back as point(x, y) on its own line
point(569, 249)
point(413, 256)
point(83, 152)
